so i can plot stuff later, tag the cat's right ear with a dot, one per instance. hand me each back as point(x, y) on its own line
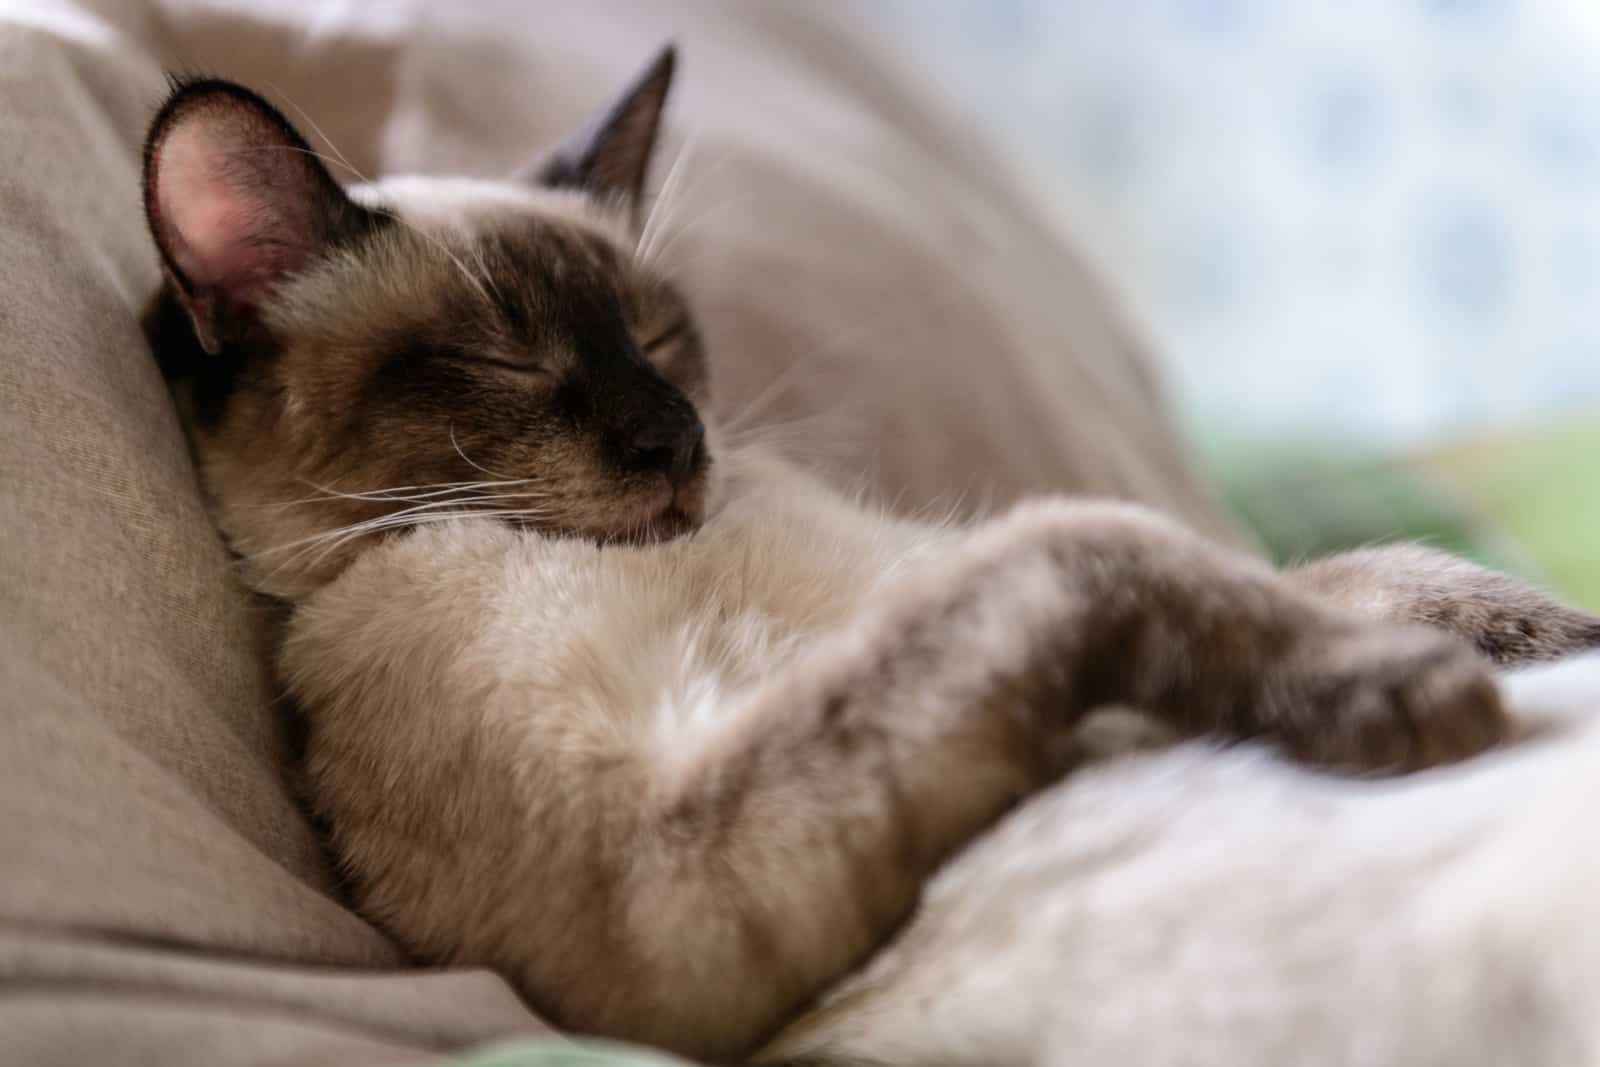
point(607, 158)
point(236, 201)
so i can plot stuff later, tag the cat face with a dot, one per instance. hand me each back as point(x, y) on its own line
point(357, 361)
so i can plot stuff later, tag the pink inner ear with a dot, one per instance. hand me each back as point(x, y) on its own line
point(227, 225)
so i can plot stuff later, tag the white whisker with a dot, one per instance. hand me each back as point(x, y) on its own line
point(403, 494)
point(336, 540)
point(313, 153)
point(667, 222)
point(454, 444)
point(405, 516)
point(683, 227)
point(329, 541)
point(650, 231)
point(440, 246)
point(768, 394)
point(738, 422)
point(484, 273)
point(817, 435)
point(309, 121)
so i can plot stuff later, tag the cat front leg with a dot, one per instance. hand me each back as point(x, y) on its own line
point(794, 842)
point(1210, 640)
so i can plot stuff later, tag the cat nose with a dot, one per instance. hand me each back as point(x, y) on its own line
point(676, 450)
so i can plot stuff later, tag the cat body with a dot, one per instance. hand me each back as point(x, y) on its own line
point(663, 728)
point(515, 671)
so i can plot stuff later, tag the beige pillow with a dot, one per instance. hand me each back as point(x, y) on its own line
point(163, 899)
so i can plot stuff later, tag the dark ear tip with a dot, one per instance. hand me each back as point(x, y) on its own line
point(184, 89)
point(656, 78)
point(665, 63)
point(185, 92)
point(189, 90)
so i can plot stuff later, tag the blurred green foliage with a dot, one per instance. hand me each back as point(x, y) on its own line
point(1525, 502)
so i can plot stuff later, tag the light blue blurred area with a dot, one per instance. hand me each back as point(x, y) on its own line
point(1375, 219)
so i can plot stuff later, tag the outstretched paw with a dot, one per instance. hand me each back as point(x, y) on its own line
point(1382, 698)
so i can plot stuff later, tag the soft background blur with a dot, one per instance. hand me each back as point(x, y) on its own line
point(1365, 236)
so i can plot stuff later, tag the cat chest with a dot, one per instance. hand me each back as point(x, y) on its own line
point(681, 641)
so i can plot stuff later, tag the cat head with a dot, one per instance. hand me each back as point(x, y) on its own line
point(355, 361)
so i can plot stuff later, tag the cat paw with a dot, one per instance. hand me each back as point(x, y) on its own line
point(1388, 699)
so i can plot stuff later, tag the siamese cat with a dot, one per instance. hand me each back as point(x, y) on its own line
point(673, 734)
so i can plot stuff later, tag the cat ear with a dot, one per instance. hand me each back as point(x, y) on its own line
point(236, 201)
point(608, 157)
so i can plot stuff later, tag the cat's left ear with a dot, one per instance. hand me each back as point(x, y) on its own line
point(609, 156)
point(237, 202)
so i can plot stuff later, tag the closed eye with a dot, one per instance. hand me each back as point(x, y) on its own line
point(673, 333)
point(523, 367)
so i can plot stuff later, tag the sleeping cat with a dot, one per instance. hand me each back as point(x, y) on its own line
point(673, 734)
